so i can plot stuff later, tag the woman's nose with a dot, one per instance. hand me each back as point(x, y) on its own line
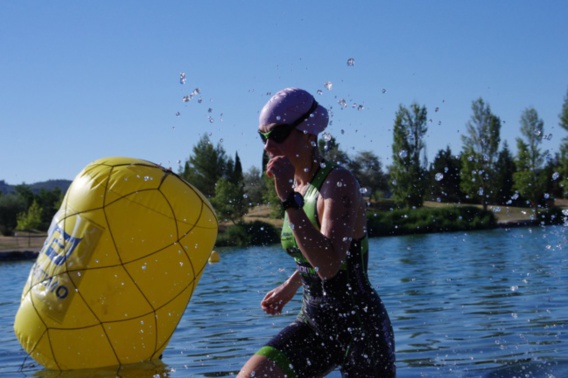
point(268, 145)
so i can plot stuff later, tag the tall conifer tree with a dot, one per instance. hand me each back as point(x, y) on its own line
point(408, 171)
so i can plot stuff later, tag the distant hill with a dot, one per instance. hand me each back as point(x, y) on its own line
point(49, 185)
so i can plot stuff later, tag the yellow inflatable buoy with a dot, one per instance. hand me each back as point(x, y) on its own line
point(118, 268)
point(214, 258)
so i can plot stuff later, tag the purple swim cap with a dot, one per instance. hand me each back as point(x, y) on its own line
point(295, 106)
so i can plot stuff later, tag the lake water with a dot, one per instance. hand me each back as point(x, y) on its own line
point(480, 304)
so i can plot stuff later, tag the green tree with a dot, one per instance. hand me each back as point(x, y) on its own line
point(254, 186)
point(49, 201)
point(330, 151)
point(25, 192)
point(563, 158)
point(480, 148)
point(529, 179)
point(445, 177)
point(237, 173)
point(31, 219)
point(367, 167)
point(229, 200)
point(10, 206)
point(408, 171)
point(505, 168)
point(553, 185)
point(205, 166)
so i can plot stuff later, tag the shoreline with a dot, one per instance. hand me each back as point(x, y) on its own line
point(30, 253)
point(18, 255)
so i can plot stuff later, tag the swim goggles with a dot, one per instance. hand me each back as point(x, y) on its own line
point(280, 132)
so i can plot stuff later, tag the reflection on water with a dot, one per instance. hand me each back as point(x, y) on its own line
point(489, 303)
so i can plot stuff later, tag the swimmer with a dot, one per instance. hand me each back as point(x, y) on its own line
point(342, 323)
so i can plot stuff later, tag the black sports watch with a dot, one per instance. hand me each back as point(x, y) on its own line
point(294, 200)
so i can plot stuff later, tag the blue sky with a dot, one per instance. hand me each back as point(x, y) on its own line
point(85, 80)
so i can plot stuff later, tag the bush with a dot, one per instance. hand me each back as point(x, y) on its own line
point(248, 234)
point(551, 216)
point(428, 220)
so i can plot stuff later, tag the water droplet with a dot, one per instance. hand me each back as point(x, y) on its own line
point(555, 175)
point(439, 176)
point(350, 62)
point(144, 267)
point(210, 110)
point(319, 92)
point(186, 99)
point(437, 109)
point(328, 85)
point(278, 118)
point(403, 154)
point(326, 136)
point(182, 78)
point(360, 107)
point(384, 91)
point(178, 114)
point(363, 190)
point(339, 184)
point(211, 120)
point(342, 103)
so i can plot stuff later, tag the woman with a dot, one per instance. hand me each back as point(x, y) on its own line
point(343, 322)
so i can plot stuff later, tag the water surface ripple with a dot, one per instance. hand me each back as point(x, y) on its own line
point(480, 304)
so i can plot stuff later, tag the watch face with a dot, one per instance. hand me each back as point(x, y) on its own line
point(294, 200)
point(298, 199)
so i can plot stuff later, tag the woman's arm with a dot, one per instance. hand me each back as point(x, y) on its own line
point(277, 298)
point(338, 209)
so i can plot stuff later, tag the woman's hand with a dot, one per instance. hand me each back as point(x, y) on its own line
point(275, 300)
point(282, 171)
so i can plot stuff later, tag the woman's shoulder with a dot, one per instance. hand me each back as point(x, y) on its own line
point(340, 178)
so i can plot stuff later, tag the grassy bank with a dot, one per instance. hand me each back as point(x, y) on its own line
point(259, 229)
point(383, 220)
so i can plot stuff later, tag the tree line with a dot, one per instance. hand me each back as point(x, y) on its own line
point(25, 210)
point(484, 172)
